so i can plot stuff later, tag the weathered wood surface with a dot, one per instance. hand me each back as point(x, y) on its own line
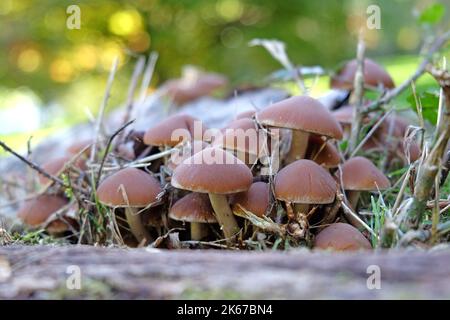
point(109, 273)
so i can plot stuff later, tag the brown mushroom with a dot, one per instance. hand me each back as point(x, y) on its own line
point(193, 85)
point(341, 237)
point(374, 76)
point(172, 131)
point(255, 199)
point(304, 182)
point(218, 173)
point(130, 189)
point(196, 209)
point(56, 166)
point(240, 137)
point(322, 152)
point(35, 212)
point(360, 174)
point(304, 115)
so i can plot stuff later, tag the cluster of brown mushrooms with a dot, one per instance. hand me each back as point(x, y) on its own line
point(167, 182)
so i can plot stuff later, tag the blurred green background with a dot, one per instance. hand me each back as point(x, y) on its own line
point(50, 75)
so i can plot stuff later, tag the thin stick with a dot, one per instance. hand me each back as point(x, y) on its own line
point(391, 94)
point(98, 124)
point(358, 95)
point(102, 163)
point(37, 168)
point(350, 212)
point(140, 64)
point(370, 133)
point(148, 75)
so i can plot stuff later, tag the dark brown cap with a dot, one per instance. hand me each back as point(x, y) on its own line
point(129, 187)
point(36, 211)
point(212, 170)
point(193, 207)
point(374, 75)
point(360, 174)
point(341, 237)
point(304, 181)
point(301, 113)
point(161, 134)
point(255, 200)
point(322, 152)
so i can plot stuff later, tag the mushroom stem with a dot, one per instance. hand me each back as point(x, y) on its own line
point(198, 231)
point(301, 209)
point(353, 197)
point(136, 226)
point(224, 214)
point(299, 144)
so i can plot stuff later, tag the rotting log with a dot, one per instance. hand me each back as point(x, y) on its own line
point(43, 272)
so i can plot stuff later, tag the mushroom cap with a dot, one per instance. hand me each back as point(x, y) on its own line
point(161, 134)
point(301, 113)
point(240, 135)
point(139, 189)
point(187, 89)
point(176, 158)
point(255, 199)
point(77, 146)
point(327, 156)
point(360, 174)
point(304, 181)
point(245, 114)
point(212, 170)
point(36, 211)
point(56, 166)
point(341, 237)
point(193, 207)
point(374, 75)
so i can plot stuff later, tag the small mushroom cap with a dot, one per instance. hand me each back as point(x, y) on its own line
point(193, 207)
point(161, 134)
point(240, 135)
point(36, 211)
point(212, 170)
point(341, 237)
point(326, 155)
point(78, 146)
point(374, 75)
point(301, 113)
point(304, 181)
point(189, 88)
point(360, 174)
point(246, 114)
point(255, 199)
point(176, 158)
point(129, 187)
point(56, 166)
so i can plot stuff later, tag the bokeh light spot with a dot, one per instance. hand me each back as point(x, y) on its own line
point(29, 60)
point(61, 70)
point(125, 22)
point(229, 10)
